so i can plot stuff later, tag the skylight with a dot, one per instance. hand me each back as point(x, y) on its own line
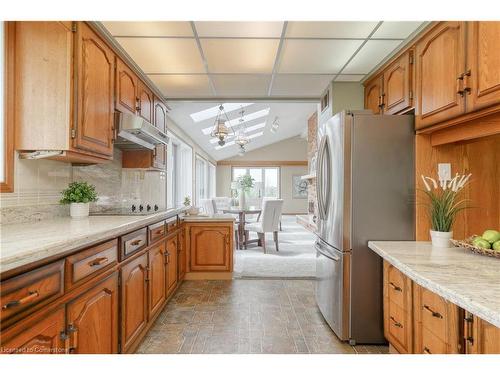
point(236, 121)
point(213, 111)
point(251, 136)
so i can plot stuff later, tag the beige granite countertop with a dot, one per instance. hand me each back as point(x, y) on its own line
point(469, 280)
point(22, 244)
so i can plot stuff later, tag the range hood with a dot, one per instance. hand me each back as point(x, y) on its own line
point(133, 132)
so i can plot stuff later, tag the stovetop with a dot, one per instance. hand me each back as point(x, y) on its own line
point(134, 210)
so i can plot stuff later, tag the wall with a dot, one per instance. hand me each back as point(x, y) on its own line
point(342, 95)
point(293, 149)
point(312, 149)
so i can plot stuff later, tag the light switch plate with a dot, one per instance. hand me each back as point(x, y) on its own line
point(444, 171)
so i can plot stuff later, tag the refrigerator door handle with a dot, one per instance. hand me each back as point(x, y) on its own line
point(327, 254)
point(319, 175)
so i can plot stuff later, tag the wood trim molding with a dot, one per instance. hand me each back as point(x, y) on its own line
point(7, 186)
point(262, 163)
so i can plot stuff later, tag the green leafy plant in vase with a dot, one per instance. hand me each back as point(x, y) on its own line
point(445, 203)
point(78, 195)
point(244, 184)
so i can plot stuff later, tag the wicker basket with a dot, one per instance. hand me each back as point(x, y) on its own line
point(469, 246)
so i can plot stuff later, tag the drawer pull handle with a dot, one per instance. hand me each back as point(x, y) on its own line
point(29, 298)
point(396, 323)
point(98, 261)
point(159, 231)
point(136, 243)
point(426, 350)
point(395, 287)
point(434, 313)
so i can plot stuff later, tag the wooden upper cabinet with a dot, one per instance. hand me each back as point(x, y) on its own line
point(92, 319)
point(210, 248)
point(126, 88)
point(134, 300)
point(95, 90)
point(482, 75)
point(157, 278)
point(171, 243)
point(160, 114)
point(146, 101)
point(440, 63)
point(373, 95)
point(36, 336)
point(397, 91)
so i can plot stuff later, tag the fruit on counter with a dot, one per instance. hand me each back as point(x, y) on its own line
point(481, 243)
point(491, 235)
point(496, 246)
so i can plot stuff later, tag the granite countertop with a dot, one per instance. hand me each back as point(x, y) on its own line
point(22, 244)
point(468, 280)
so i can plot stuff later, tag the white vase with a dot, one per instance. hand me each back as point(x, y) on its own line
point(79, 210)
point(242, 202)
point(441, 239)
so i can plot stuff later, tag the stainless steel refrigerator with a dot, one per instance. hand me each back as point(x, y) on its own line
point(365, 189)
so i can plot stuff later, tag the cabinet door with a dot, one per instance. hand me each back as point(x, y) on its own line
point(134, 312)
point(483, 63)
point(440, 63)
point(126, 88)
point(93, 319)
point(171, 264)
point(145, 98)
point(210, 248)
point(397, 94)
point(373, 95)
point(39, 336)
point(182, 256)
point(481, 337)
point(160, 115)
point(157, 278)
point(95, 90)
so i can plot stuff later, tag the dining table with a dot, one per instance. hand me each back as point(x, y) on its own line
point(242, 213)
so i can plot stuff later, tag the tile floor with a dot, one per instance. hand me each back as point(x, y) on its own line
point(245, 316)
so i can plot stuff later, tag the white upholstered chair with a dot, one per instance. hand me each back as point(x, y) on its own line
point(208, 206)
point(222, 203)
point(269, 222)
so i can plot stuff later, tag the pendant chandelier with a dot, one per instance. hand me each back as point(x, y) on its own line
point(220, 130)
point(241, 138)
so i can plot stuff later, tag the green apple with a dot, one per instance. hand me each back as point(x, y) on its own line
point(496, 245)
point(481, 243)
point(491, 235)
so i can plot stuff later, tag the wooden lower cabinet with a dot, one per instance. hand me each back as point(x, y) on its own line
point(157, 278)
point(92, 319)
point(43, 335)
point(134, 300)
point(181, 261)
point(171, 254)
point(211, 247)
point(480, 336)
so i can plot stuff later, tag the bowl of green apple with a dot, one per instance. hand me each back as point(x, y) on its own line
point(487, 244)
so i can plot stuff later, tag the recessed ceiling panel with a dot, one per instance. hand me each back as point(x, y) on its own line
point(349, 78)
point(171, 28)
point(243, 85)
point(316, 56)
point(396, 29)
point(372, 53)
point(240, 55)
point(182, 85)
point(157, 55)
point(239, 29)
point(336, 29)
point(292, 85)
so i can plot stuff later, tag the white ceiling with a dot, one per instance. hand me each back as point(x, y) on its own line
point(193, 60)
point(292, 119)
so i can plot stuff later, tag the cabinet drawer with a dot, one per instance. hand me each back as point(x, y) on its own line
point(434, 313)
point(157, 231)
point(88, 263)
point(133, 242)
point(397, 327)
point(432, 344)
point(172, 224)
point(31, 289)
point(397, 288)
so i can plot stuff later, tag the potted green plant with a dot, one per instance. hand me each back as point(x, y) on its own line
point(78, 195)
point(190, 210)
point(244, 184)
point(444, 204)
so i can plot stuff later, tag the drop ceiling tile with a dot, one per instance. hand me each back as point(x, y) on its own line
point(156, 55)
point(182, 85)
point(373, 52)
point(171, 28)
point(241, 85)
point(316, 56)
point(349, 78)
point(335, 29)
point(240, 55)
point(396, 29)
point(300, 85)
point(239, 29)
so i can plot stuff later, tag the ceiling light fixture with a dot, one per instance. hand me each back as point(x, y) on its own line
point(242, 138)
point(220, 130)
point(275, 125)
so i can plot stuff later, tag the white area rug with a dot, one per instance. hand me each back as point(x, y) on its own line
point(295, 258)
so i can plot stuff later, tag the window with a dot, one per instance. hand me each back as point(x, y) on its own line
point(179, 171)
point(205, 179)
point(211, 180)
point(266, 183)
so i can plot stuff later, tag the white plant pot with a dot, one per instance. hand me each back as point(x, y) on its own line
point(193, 211)
point(441, 239)
point(242, 202)
point(79, 210)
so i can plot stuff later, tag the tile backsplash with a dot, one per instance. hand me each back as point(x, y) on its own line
point(38, 184)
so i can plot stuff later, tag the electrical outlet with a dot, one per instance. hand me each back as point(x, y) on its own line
point(444, 171)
